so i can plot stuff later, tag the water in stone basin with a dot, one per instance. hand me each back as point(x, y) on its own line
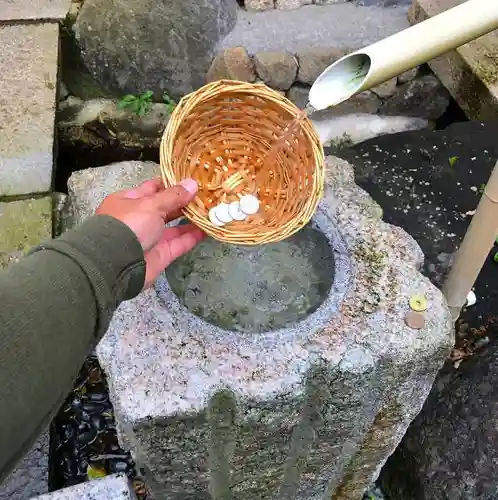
point(254, 289)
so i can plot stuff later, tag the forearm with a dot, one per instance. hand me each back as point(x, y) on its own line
point(55, 305)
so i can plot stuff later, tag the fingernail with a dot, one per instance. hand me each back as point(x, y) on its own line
point(190, 185)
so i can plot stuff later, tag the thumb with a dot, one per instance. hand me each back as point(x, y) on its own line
point(172, 199)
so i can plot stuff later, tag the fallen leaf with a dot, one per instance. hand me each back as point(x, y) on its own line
point(95, 472)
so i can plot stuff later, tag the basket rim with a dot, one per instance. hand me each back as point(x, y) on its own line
point(227, 234)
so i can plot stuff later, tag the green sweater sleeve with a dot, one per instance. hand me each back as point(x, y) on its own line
point(55, 304)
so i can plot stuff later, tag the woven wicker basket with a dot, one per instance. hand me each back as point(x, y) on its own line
point(237, 138)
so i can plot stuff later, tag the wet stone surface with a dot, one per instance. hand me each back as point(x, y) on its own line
point(281, 284)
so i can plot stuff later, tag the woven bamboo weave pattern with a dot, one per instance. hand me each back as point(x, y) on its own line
point(234, 139)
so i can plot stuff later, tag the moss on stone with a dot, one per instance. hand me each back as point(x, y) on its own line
point(23, 224)
point(374, 263)
point(487, 68)
point(345, 141)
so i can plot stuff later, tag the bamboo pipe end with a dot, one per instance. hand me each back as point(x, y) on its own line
point(340, 80)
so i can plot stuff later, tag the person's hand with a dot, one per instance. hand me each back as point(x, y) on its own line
point(145, 210)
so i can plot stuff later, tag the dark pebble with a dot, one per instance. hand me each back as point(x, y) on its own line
point(96, 397)
point(82, 467)
point(93, 407)
point(68, 466)
point(98, 422)
point(69, 433)
point(114, 448)
point(116, 466)
point(87, 437)
point(83, 427)
point(481, 342)
point(84, 416)
point(76, 403)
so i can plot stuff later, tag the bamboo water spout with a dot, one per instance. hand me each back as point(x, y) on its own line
point(474, 249)
point(403, 51)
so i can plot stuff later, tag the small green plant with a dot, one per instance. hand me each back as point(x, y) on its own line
point(452, 160)
point(482, 187)
point(140, 105)
point(170, 103)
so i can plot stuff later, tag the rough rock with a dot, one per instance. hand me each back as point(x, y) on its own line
point(30, 477)
point(309, 410)
point(104, 117)
point(424, 97)
point(114, 487)
point(132, 46)
point(386, 89)
point(27, 106)
point(23, 224)
point(73, 72)
point(291, 4)
point(314, 61)
point(384, 3)
point(366, 102)
point(232, 64)
point(259, 5)
point(277, 69)
point(346, 130)
point(329, 2)
point(470, 72)
point(408, 75)
point(449, 451)
point(298, 94)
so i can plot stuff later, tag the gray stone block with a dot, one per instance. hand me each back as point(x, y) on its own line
point(115, 487)
point(424, 97)
point(29, 55)
point(18, 10)
point(308, 411)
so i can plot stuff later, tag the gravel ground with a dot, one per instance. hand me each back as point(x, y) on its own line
point(30, 479)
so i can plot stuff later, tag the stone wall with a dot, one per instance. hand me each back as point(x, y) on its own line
point(415, 93)
point(261, 5)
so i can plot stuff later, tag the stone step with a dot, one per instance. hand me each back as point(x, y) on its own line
point(22, 10)
point(338, 25)
point(29, 55)
point(470, 73)
point(23, 224)
point(115, 487)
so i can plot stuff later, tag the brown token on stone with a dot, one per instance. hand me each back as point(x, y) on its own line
point(415, 320)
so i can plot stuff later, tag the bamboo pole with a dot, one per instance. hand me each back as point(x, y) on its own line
point(474, 249)
point(405, 50)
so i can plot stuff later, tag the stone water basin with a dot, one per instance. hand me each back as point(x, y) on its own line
point(279, 373)
point(254, 289)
